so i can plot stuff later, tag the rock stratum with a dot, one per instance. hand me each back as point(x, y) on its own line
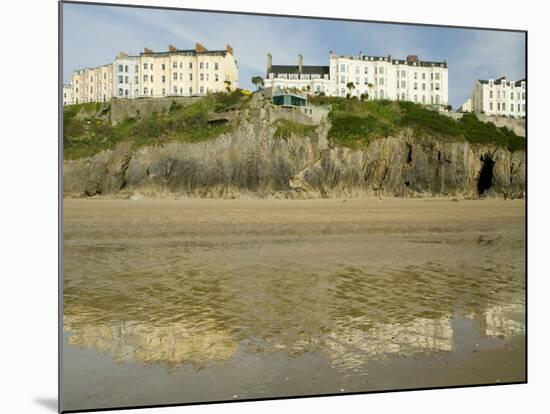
point(251, 162)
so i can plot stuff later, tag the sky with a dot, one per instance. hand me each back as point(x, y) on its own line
point(94, 34)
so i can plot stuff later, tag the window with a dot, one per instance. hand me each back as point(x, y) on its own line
point(415, 98)
point(342, 68)
point(512, 107)
point(403, 96)
point(216, 66)
point(437, 99)
point(104, 76)
point(423, 76)
point(163, 78)
point(381, 81)
point(145, 78)
point(523, 96)
point(120, 68)
point(491, 106)
point(206, 65)
point(175, 90)
point(125, 68)
point(151, 69)
point(125, 94)
point(145, 90)
point(216, 77)
point(357, 81)
point(207, 76)
point(381, 93)
point(119, 78)
point(416, 75)
point(366, 70)
point(190, 76)
point(498, 94)
point(437, 76)
point(181, 65)
point(163, 67)
point(181, 76)
point(145, 66)
point(151, 78)
point(175, 76)
point(403, 84)
point(498, 106)
point(201, 65)
point(151, 91)
point(190, 65)
point(423, 99)
point(342, 79)
point(163, 92)
point(402, 73)
point(490, 94)
point(202, 76)
point(136, 79)
point(202, 90)
point(437, 86)
point(512, 96)
point(76, 90)
point(126, 79)
point(504, 106)
point(174, 65)
point(416, 86)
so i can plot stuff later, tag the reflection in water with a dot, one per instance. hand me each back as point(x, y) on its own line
point(200, 292)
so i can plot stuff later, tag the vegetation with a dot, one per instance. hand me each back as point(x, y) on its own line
point(85, 133)
point(258, 81)
point(356, 122)
point(285, 128)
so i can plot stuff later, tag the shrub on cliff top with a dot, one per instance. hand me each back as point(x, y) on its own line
point(285, 128)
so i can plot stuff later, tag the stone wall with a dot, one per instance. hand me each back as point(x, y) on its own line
point(136, 108)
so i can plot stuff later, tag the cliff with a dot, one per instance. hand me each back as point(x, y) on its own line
point(253, 160)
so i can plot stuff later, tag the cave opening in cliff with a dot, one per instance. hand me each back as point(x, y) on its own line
point(485, 180)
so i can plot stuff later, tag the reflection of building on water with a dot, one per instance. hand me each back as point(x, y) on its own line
point(172, 344)
point(501, 321)
point(351, 347)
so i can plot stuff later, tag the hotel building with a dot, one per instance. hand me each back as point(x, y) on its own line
point(176, 72)
point(92, 84)
point(500, 97)
point(378, 77)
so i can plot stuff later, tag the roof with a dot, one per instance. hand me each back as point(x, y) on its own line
point(499, 81)
point(416, 62)
point(295, 69)
point(186, 52)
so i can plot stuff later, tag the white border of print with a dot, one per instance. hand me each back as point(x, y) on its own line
point(29, 204)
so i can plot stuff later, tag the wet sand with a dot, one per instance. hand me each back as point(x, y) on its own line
point(197, 300)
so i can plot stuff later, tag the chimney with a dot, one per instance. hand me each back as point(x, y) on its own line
point(199, 48)
point(147, 50)
point(412, 58)
point(229, 49)
point(269, 62)
point(121, 55)
point(172, 49)
point(300, 62)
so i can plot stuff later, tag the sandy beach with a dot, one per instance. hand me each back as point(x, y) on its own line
point(196, 300)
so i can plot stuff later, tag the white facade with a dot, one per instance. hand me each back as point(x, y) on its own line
point(67, 95)
point(374, 76)
point(499, 97)
point(126, 76)
point(312, 79)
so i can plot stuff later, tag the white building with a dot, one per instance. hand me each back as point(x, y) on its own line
point(378, 77)
point(67, 95)
point(313, 79)
point(499, 97)
point(126, 76)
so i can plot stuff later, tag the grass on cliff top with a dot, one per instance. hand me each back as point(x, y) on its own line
point(85, 136)
point(355, 123)
point(285, 128)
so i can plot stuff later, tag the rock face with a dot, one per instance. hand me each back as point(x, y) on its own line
point(250, 162)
